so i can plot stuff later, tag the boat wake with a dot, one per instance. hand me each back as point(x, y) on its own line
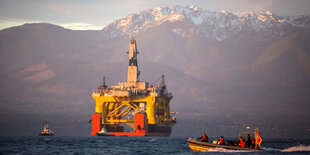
point(269, 149)
point(300, 148)
point(226, 150)
point(152, 140)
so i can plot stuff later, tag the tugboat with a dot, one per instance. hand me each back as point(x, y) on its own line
point(46, 131)
point(199, 146)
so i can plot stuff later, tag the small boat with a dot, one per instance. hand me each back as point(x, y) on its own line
point(103, 132)
point(200, 146)
point(46, 131)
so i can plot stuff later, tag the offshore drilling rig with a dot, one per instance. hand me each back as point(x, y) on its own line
point(148, 105)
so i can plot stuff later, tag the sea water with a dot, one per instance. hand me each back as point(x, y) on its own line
point(133, 145)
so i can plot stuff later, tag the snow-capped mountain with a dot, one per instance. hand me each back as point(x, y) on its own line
point(213, 25)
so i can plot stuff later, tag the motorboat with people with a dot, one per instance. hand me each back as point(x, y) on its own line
point(103, 132)
point(253, 144)
point(46, 131)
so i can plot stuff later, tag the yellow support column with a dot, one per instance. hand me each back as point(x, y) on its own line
point(150, 109)
point(156, 112)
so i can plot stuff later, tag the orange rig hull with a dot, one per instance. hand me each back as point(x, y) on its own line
point(141, 128)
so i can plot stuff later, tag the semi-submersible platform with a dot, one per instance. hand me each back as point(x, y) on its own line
point(144, 109)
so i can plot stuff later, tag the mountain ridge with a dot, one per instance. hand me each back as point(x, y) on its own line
point(223, 23)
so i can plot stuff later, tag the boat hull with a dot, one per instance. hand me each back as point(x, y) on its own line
point(199, 146)
point(46, 134)
point(103, 134)
point(153, 130)
point(140, 127)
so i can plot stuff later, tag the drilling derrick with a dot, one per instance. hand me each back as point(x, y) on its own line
point(146, 110)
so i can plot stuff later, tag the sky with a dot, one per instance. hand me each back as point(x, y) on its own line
point(96, 14)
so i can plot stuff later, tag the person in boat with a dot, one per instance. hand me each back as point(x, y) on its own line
point(253, 143)
point(241, 142)
point(248, 141)
point(45, 129)
point(222, 141)
point(204, 138)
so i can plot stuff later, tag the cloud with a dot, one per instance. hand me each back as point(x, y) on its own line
point(81, 26)
point(73, 26)
point(62, 8)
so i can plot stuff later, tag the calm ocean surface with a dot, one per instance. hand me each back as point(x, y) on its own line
point(132, 145)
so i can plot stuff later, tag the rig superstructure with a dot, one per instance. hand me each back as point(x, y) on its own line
point(143, 108)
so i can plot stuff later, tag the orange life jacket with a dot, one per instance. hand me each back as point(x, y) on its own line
point(204, 137)
point(221, 141)
point(241, 143)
